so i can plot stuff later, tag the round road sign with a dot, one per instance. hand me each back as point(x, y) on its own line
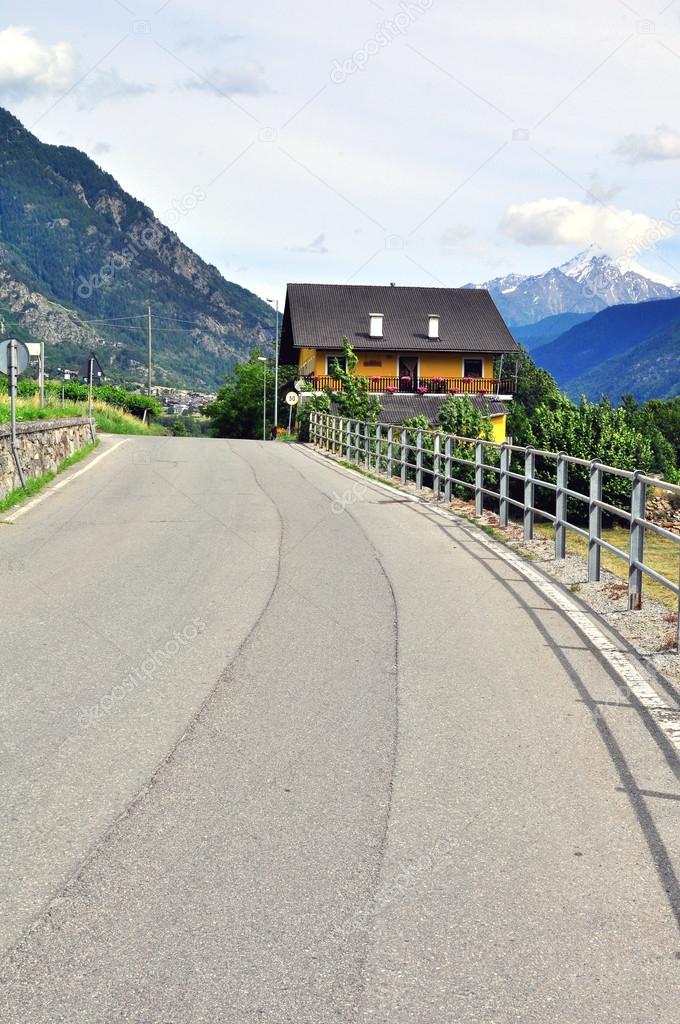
point(22, 356)
point(292, 398)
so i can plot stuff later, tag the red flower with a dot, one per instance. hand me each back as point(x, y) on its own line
point(453, 391)
point(375, 379)
point(391, 390)
point(406, 380)
point(422, 391)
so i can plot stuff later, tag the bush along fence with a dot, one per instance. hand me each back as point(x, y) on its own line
point(573, 494)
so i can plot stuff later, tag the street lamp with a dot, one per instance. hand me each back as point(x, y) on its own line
point(276, 366)
point(263, 359)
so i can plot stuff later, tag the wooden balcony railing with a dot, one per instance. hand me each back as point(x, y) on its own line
point(425, 385)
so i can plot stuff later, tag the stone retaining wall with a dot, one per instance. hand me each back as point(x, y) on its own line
point(42, 445)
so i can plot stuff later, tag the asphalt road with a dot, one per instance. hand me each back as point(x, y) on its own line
point(279, 745)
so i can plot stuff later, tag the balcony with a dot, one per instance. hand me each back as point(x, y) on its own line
point(424, 385)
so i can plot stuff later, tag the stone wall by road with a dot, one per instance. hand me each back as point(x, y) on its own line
point(42, 445)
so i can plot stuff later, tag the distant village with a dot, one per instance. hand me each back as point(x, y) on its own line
point(175, 401)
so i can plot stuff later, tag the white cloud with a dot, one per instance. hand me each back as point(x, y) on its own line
point(27, 67)
point(662, 144)
point(247, 80)
point(99, 86)
point(318, 246)
point(562, 221)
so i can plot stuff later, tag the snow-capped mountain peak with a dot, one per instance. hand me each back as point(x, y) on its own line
point(581, 265)
point(590, 281)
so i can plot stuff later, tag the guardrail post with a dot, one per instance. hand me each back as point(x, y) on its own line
point(357, 442)
point(403, 454)
point(437, 466)
point(419, 459)
point(638, 507)
point(367, 442)
point(594, 523)
point(504, 486)
point(447, 469)
point(677, 644)
point(529, 493)
point(390, 451)
point(348, 440)
point(479, 478)
point(378, 448)
point(561, 507)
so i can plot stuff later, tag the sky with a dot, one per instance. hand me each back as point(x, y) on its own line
point(419, 142)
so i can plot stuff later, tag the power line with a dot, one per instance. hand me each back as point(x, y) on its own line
point(114, 319)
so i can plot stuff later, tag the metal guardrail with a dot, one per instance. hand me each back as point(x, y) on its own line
point(392, 450)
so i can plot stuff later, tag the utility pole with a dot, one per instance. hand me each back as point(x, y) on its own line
point(263, 360)
point(41, 374)
point(148, 349)
point(90, 375)
point(276, 367)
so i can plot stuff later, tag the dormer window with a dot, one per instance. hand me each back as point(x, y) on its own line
point(433, 326)
point(376, 325)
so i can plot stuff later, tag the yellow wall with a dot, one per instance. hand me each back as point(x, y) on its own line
point(498, 429)
point(432, 364)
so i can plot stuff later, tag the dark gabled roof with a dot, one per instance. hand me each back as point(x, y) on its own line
point(397, 408)
point(320, 315)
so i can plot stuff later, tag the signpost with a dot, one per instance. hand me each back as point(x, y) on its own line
point(14, 360)
point(292, 399)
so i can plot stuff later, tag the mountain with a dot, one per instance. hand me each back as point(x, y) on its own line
point(588, 283)
point(649, 370)
point(608, 334)
point(75, 247)
point(544, 331)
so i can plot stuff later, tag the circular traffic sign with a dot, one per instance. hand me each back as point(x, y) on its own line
point(292, 398)
point(22, 356)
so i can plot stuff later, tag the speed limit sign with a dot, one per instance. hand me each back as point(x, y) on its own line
point(292, 398)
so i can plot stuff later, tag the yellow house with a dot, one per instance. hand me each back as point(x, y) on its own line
point(411, 343)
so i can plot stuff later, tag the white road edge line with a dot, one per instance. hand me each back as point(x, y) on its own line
point(52, 488)
point(666, 718)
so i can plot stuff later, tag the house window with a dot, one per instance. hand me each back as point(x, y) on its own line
point(473, 367)
point(376, 325)
point(433, 327)
point(341, 360)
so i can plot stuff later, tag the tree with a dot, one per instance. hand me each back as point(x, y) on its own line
point(461, 417)
point(238, 409)
point(592, 431)
point(535, 388)
point(354, 400)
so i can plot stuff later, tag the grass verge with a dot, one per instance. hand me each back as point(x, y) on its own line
point(660, 554)
point(37, 483)
point(108, 418)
